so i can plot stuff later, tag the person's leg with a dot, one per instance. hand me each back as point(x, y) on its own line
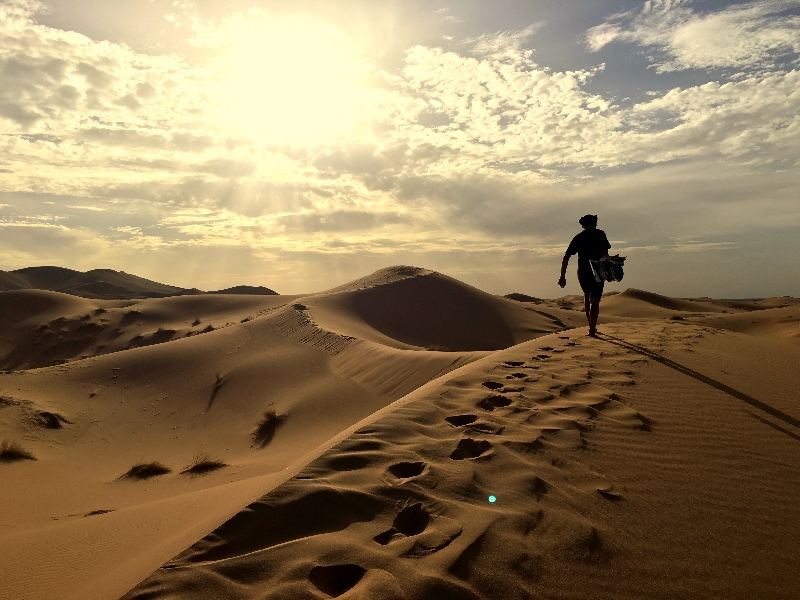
point(594, 312)
point(595, 294)
point(587, 304)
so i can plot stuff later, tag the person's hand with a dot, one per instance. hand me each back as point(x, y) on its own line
point(562, 282)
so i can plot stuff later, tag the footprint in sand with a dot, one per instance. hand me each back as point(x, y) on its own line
point(410, 521)
point(336, 579)
point(492, 385)
point(461, 420)
point(348, 463)
point(468, 448)
point(492, 402)
point(429, 535)
point(407, 470)
point(539, 487)
point(469, 421)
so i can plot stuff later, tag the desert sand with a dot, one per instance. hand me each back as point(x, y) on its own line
point(403, 436)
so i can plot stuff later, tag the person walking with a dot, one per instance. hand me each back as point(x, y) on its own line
point(589, 244)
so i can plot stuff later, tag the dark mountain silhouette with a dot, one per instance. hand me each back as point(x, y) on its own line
point(103, 284)
point(251, 290)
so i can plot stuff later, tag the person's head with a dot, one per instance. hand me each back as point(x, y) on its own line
point(588, 221)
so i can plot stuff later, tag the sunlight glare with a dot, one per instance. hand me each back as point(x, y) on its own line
point(292, 80)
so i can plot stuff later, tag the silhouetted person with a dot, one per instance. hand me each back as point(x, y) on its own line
point(589, 244)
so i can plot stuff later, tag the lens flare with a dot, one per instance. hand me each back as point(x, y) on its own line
point(492, 499)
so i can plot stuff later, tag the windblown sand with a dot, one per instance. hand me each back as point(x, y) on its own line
point(405, 436)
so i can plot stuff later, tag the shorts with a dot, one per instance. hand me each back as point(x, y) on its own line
point(590, 286)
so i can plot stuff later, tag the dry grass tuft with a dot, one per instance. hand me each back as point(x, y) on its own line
point(202, 463)
point(437, 348)
point(266, 428)
point(141, 471)
point(100, 511)
point(13, 451)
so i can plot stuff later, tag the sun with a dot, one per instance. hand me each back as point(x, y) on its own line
point(291, 79)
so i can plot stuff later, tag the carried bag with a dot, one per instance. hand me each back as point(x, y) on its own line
point(608, 268)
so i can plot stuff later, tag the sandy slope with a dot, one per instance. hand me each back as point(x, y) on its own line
point(665, 469)
point(615, 476)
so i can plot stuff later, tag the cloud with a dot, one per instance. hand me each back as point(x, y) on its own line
point(508, 45)
point(54, 77)
point(506, 109)
point(223, 167)
point(747, 36)
point(520, 117)
point(80, 207)
point(340, 221)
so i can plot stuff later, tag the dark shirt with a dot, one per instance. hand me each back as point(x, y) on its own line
point(589, 244)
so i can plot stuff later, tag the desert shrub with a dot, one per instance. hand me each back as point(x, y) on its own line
point(265, 430)
point(437, 348)
point(49, 420)
point(202, 463)
point(197, 322)
point(146, 470)
point(13, 451)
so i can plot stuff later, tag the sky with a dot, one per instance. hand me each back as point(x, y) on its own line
point(302, 144)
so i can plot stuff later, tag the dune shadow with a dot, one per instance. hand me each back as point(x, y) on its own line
point(755, 403)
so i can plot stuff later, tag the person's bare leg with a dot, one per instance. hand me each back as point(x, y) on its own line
point(594, 312)
point(587, 308)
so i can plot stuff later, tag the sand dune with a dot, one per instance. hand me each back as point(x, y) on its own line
point(347, 443)
point(433, 311)
point(98, 283)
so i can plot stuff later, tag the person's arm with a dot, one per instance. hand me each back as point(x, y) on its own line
point(563, 281)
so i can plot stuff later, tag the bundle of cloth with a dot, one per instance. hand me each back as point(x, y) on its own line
point(608, 268)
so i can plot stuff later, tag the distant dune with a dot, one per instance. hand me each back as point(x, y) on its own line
point(402, 436)
point(104, 284)
point(246, 289)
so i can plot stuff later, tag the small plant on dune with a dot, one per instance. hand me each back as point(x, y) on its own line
point(437, 348)
point(13, 451)
point(265, 430)
point(202, 463)
point(197, 322)
point(146, 470)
